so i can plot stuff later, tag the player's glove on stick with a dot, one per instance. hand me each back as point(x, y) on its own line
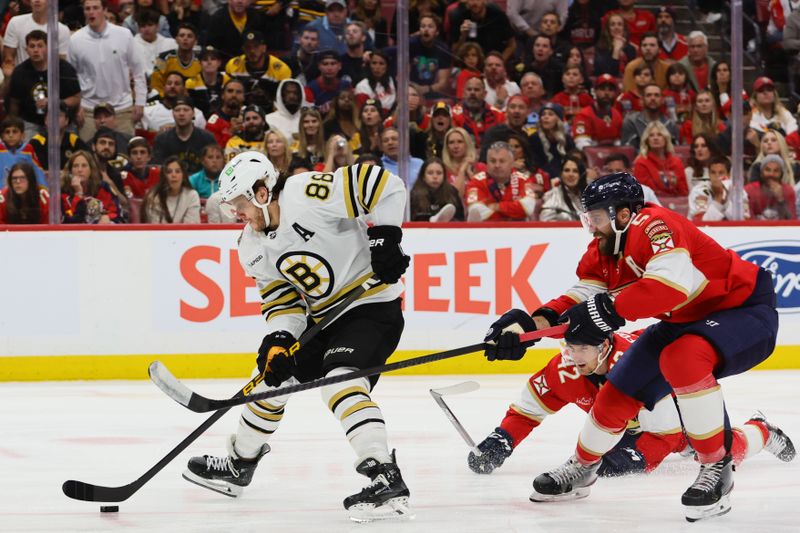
point(274, 361)
point(388, 260)
point(502, 339)
point(495, 449)
point(591, 321)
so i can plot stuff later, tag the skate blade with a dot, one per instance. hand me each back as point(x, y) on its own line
point(228, 489)
point(576, 494)
point(703, 512)
point(393, 509)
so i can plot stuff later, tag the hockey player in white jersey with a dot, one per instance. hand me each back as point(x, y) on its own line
point(307, 246)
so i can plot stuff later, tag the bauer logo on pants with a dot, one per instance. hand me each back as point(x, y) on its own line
point(782, 260)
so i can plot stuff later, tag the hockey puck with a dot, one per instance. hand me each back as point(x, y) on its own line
point(109, 508)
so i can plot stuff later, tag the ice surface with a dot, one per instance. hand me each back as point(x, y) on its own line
point(109, 433)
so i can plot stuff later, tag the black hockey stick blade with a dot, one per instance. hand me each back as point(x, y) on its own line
point(175, 389)
point(201, 404)
point(79, 490)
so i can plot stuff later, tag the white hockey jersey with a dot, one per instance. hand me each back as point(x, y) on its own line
point(320, 250)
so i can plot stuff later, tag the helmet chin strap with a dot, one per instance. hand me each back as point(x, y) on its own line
point(602, 357)
point(619, 234)
point(264, 209)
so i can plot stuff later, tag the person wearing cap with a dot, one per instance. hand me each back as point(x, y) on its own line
point(430, 59)
point(768, 109)
point(27, 90)
point(105, 117)
point(104, 148)
point(205, 89)
point(158, 113)
point(184, 140)
point(229, 24)
point(138, 175)
point(302, 60)
point(323, 89)
point(551, 143)
point(673, 45)
point(697, 61)
point(331, 28)
point(473, 113)
point(258, 70)
point(106, 60)
point(498, 87)
point(648, 55)
point(252, 135)
point(599, 123)
point(772, 197)
point(441, 121)
point(183, 60)
point(68, 141)
point(149, 42)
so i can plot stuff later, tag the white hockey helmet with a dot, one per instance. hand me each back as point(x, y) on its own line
point(242, 172)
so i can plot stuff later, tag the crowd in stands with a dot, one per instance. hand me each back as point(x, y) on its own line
point(514, 107)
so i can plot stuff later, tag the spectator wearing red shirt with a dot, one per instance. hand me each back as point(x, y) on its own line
point(679, 95)
point(599, 123)
point(673, 45)
point(697, 61)
point(227, 121)
point(500, 192)
point(574, 96)
point(772, 197)
point(138, 175)
point(703, 119)
point(632, 100)
point(473, 113)
point(639, 21)
point(23, 201)
point(657, 166)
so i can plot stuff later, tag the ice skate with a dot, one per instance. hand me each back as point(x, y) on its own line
point(709, 495)
point(386, 497)
point(226, 475)
point(570, 481)
point(778, 444)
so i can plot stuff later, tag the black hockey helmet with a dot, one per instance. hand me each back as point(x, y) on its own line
point(619, 189)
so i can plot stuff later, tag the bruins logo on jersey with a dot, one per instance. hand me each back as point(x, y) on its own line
point(308, 272)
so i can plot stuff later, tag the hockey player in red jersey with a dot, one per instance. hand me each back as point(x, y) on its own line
point(717, 317)
point(574, 377)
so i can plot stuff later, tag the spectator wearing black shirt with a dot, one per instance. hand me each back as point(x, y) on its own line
point(105, 117)
point(224, 35)
point(205, 89)
point(301, 60)
point(28, 87)
point(184, 140)
point(354, 60)
point(550, 26)
point(582, 27)
point(545, 65)
point(69, 142)
point(430, 59)
point(484, 23)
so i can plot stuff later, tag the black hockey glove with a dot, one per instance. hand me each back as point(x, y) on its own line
point(622, 462)
point(274, 361)
point(591, 321)
point(502, 339)
point(388, 260)
point(495, 449)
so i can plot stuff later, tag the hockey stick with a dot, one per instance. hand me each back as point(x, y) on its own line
point(458, 388)
point(201, 404)
point(79, 490)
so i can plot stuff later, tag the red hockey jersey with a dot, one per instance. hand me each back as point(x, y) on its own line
point(515, 201)
point(601, 130)
point(668, 269)
point(559, 384)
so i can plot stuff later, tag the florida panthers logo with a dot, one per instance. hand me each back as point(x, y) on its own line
point(307, 271)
